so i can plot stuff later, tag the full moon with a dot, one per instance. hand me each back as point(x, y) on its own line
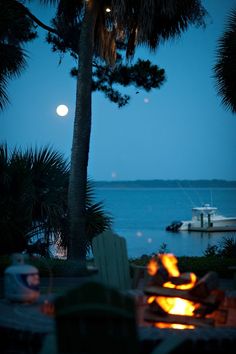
point(62, 110)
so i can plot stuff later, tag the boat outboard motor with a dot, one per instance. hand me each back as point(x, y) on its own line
point(174, 226)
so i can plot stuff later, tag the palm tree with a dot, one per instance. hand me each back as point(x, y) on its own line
point(33, 189)
point(33, 201)
point(15, 30)
point(132, 23)
point(225, 68)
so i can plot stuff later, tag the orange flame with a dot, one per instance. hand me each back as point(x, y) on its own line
point(176, 305)
point(169, 261)
point(172, 305)
point(173, 325)
point(190, 285)
point(152, 267)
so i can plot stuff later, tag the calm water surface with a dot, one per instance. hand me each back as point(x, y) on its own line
point(142, 214)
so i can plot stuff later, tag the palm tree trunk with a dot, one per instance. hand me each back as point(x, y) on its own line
point(81, 139)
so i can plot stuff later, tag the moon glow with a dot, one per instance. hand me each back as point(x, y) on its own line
point(62, 110)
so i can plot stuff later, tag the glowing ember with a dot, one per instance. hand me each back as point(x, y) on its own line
point(173, 325)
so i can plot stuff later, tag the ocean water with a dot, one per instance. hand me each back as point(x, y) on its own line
point(142, 214)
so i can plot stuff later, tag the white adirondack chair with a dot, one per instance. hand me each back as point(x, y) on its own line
point(111, 259)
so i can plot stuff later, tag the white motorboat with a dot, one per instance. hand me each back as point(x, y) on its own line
point(205, 218)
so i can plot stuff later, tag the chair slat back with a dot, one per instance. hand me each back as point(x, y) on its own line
point(94, 318)
point(111, 259)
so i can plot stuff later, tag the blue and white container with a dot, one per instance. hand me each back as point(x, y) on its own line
point(21, 281)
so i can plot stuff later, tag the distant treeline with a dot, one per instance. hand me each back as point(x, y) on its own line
point(159, 183)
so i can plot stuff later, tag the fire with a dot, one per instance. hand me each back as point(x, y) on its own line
point(173, 325)
point(190, 285)
point(169, 261)
point(152, 267)
point(172, 305)
point(176, 305)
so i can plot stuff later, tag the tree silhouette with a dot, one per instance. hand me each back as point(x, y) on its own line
point(99, 35)
point(15, 30)
point(33, 203)
point(225, 67)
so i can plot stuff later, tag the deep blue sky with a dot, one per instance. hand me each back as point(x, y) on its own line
point(183, 132)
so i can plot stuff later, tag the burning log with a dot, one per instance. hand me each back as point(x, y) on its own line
point(212, 299)
point(151, 316)
point(155, 307)
point(160, 278)
point(183, 278)
point(221, 316)
point(182, 299)
point(205, 285)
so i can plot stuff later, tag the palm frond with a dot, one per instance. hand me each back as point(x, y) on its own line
point(12, 63)
point(50, 2)
point(13, 60)
point(3, 167)
point(225, 68)
point(149, 22)
point(70, 10)
point(15, 29)
point(4, 100)
point(49, 158)
point(33, 199)
point(97, 220)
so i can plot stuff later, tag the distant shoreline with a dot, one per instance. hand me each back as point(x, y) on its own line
point(214, 183)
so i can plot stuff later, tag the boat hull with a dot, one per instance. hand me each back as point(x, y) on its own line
point(213, 229)
point(216, 225)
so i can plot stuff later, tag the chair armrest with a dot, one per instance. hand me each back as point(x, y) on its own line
point(139, 272)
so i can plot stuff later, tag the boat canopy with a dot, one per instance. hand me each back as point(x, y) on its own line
point(205, 209)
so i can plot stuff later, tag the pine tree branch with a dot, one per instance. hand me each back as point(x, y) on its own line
point(37, 21)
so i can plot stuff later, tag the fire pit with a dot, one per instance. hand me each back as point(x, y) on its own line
point(181, 301)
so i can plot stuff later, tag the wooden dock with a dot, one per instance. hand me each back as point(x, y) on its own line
point(213, 229)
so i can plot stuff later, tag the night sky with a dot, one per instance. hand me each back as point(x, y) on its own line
point(181, 131)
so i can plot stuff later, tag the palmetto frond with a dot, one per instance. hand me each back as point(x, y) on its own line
point(151, 21)
point(48, 2)
point(225, 68)
point(15, 26)
point(135, 22)
point(13, 60)
point(12, 63)
point(15, 29)
point(96, 220)
point(33, 198)
point(3, 92)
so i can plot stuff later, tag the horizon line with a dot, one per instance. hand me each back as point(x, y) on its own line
point(167, 180)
